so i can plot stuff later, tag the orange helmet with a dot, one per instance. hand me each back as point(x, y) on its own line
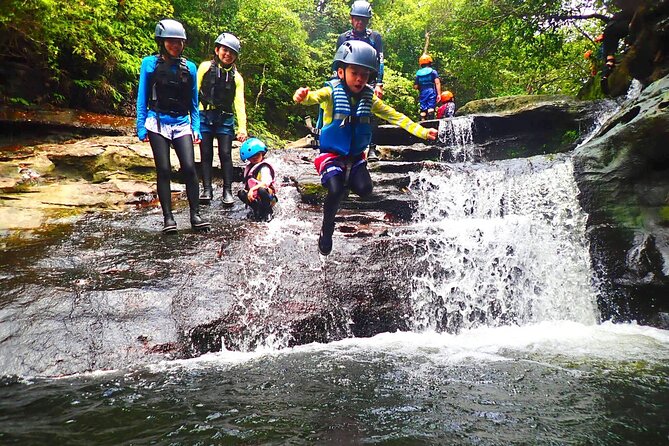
point(588, 54)
point(424, 59)
point(599, 38)
point(446, 96)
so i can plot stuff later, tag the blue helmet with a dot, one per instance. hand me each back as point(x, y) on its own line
point(251, 147)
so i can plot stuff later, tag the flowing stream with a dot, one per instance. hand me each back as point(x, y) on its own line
point(505, 347)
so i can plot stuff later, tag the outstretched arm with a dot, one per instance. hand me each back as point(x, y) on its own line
point(391, 115)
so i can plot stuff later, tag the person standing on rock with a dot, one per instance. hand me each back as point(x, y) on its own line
point(349, 103)
point(361, 14)
point(429, 86)
point(221, 90)
point(167, 114)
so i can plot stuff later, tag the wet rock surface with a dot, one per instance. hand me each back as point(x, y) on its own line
point(89, 282)
point(504, 128)
point(623, 174)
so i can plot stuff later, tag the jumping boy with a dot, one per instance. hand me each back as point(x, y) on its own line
point(349, 103)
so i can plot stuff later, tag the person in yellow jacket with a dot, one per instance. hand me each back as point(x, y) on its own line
point(221, 93)
point(348, 104)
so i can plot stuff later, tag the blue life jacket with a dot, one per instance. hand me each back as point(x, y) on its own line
point(350, 131)
point(424, 78)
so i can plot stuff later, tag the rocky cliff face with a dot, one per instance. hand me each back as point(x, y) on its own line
point(623, 174)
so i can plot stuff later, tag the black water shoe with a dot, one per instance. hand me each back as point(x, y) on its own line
point(372, 155)
point(324, 244)
point(227, 197)
point(169, 225)
point(198, 224)
point(207, 195)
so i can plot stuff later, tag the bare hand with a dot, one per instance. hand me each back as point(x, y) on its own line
point(241, 137)
point(432, 134)
point(250, 196)
point(378, 91)
point(300, 94)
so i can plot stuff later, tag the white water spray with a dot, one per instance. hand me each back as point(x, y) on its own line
point(458, 136)
point(502, 243)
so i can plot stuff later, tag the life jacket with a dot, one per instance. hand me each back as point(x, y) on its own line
point(368, 37)
point(424, 78)
point(171, 89)
point(218, 88)
point(252, 174)
point(350, 131)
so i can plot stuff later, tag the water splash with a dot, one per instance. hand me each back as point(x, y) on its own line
point(634, 90)
point(501, 243)
point(458, 136)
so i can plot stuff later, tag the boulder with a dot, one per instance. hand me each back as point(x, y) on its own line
point(623, 175)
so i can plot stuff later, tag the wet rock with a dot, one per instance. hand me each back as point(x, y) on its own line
point(80, 122)
point(500, 128)
point(623, 175)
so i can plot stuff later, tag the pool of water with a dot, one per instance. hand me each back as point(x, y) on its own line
point(550, 383)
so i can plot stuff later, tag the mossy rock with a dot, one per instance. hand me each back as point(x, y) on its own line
point(510, 103)
point(312, 193)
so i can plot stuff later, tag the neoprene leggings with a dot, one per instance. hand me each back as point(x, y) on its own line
point(262, 206)
point(224, 154)
point(359, 182)
point(183, 146)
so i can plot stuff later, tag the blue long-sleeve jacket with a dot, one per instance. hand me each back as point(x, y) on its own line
point(143, 91)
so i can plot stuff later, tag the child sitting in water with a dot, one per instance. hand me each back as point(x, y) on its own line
point(348, 104)
point(259, 191)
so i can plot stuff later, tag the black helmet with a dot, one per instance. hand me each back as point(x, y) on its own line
point(356, 52)
point(361, 8)
point(229, 41)
point(170, 29)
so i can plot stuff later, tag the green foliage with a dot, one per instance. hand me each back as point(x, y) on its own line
point(400, 94)
point(79, 43)
point(87, 52)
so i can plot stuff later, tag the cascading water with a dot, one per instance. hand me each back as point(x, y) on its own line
point(259, 292)
point(502, 243)
point(458, 134)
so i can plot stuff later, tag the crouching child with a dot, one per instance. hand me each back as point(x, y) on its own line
point(259, 191)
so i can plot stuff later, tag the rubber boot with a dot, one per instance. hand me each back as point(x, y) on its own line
point(197, 222)
point(207, 194)
point(228, 200)
point(325, 241)
point(169, 224)
point(372, 155)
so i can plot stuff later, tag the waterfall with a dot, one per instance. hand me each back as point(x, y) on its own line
point(501, 243)
point(458, 136)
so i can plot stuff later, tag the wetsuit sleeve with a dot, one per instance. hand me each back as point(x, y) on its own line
point(394, 117)
point(319, 96)
point(194, 106)
point(201, 71)
point(379, 49)
point(142, 97)
point(239, 104)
